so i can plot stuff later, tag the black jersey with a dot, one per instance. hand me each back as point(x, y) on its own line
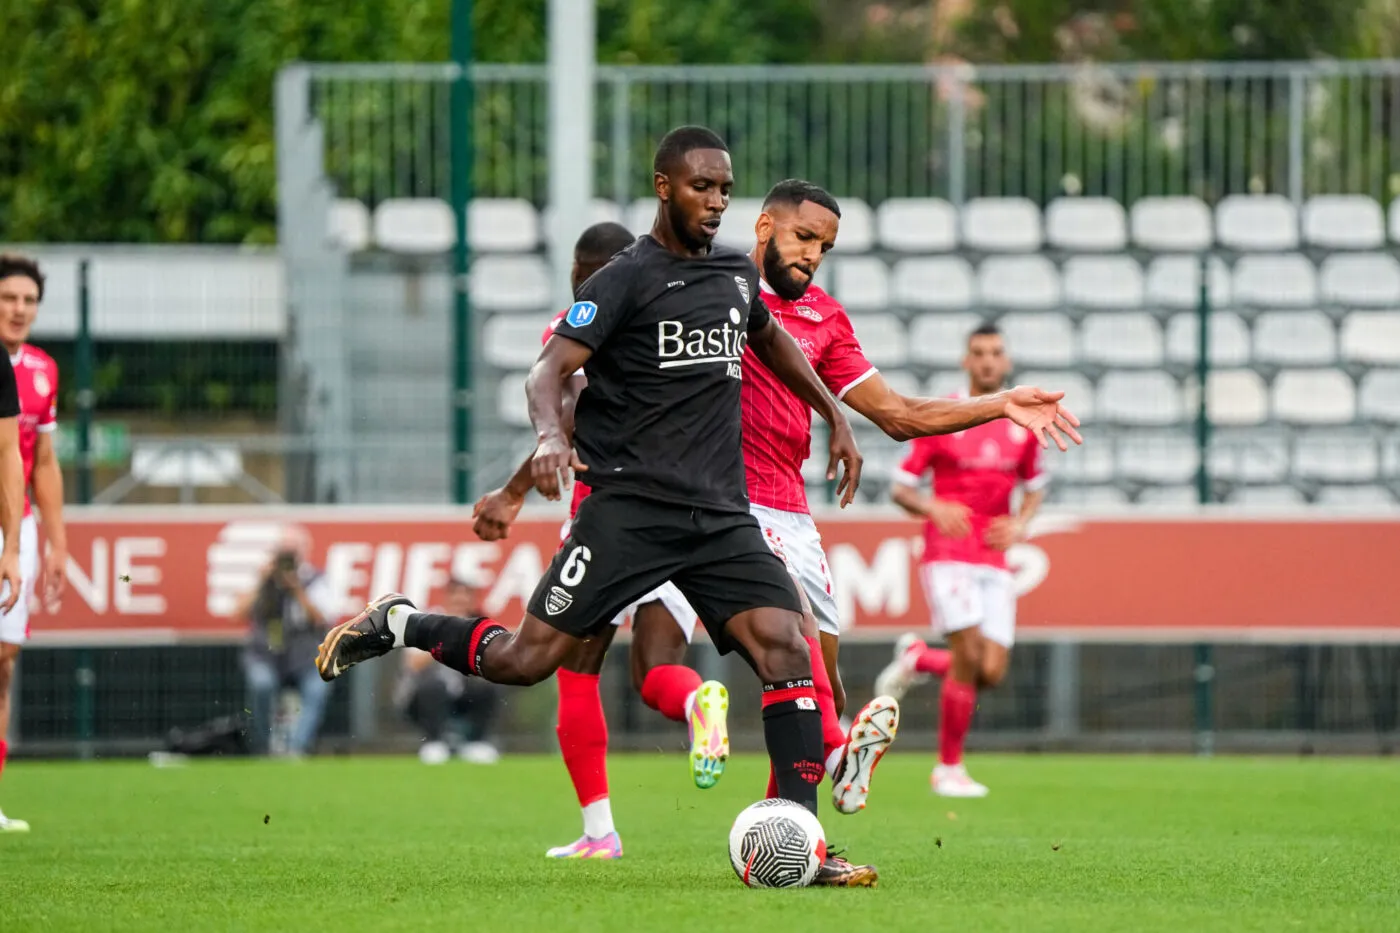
point(660, 415)
point(9, 392)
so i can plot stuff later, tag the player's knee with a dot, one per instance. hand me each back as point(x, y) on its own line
point(7, 670)
point(587, 658)
point(991, 677)
point(781, 654)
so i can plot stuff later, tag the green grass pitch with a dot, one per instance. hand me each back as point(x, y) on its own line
point(1064, 843)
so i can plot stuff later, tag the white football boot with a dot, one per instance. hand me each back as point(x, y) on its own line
point(953, 781)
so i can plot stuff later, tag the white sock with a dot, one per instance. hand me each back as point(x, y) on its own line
point(690, 702)
point(833, 761)
point(597, 819)
point(398, 621)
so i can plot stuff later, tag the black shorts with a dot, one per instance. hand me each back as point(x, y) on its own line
point(621, 547)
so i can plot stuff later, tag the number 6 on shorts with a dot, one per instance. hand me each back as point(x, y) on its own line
point(571, 574)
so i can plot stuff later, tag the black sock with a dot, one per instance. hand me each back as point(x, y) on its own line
point(459, 643)
point(792, 729)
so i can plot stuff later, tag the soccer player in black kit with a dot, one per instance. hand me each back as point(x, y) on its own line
point(659, 332)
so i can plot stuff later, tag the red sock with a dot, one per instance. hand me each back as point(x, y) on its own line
point(583, 735)
point(833, 736)
point(959, 703)
point(933, 661)
point(667, 687)
point(4, 750)
point(772, 784)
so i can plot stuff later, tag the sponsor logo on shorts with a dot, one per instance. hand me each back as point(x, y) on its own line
point(557, 600)
point(582, 313)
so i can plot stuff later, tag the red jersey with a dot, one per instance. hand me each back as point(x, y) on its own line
point(777, 424)
point(980, 468)
point(36, 376)
point(580, 490)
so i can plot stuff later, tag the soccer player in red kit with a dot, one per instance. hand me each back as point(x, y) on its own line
point(36, 379)
point(968, 527)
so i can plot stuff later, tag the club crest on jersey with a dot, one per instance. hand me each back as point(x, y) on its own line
point(581, 313)
point(1016, 433)
point(810, 313)
point(743, 284)
point(557, 600)
point(41, 383)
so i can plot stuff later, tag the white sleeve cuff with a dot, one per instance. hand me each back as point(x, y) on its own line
point(856, 381)
point(904, 478)
point(1037, 482)
point(46, 428)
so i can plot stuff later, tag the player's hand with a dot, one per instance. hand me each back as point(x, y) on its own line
point(551, 466)
point(9, 576)
point(494, 513)
point(1004, 531)
point(845, 452)
point(952, 519)
point(55, 577)
point(1041, 413)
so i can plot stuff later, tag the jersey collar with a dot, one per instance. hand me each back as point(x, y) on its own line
point(16, 357)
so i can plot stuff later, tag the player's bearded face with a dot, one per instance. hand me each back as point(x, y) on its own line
point(787, 279)
point(800, 238)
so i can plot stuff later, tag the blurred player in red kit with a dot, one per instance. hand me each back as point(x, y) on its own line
point(968, 527)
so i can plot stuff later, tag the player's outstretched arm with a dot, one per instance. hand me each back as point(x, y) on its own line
point(776, 349)
point(554, 453)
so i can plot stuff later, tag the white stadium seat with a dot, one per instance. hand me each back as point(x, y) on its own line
point(1379, 398)
point(861, 283)
point(917, 225)
point(1236, 397)
point(1371, 337)
point(347, 225)
point(1018, 282)
point(600, 210)
point(938, 282)
point(1314, 397)
point(1103, 282)
point(1086, 224)
point(1039, 339)
point(1267, 497)
point(511, 341)
point(1362, 279)
point(1175, 282)
point(511, 405)
point(1251, 456)
point(511, 283)
point(857, 230)
point(903, 382)
point(1079, 394)
point(941, 339)
point(1175, 497)
point(1150, 398)
point(736, 226)
point(1001, 224)
point(1174, 224)
point(1336, 457)
point(1256, 222)
point(945, 383)
point(1343, 221)
point(1283, 280)
point(1124, 338)
point(882, 337)
point(1090, 463)
point(641, 214)
point(1393, 220)
point(502, 225)
point(414, 226)
point(1156, 457)
point(1364, 498)
point(1295, 338)
point(1093, 497)
point(1229, 338)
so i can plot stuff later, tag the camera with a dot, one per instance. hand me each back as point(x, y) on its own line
point(286, 562)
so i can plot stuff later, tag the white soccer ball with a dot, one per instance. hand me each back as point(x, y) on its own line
point(776, 844)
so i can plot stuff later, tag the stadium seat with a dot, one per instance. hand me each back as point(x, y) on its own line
point(641, 214)
point(1149, 398)
point(1125, 338)
point(1103, 282)
point(502, 225)
point(1176, 496)
point(1314, 397)
point(1039, 339)
point(1093, 497)
point(1343, 221)
point(1252, 455)
point(1256, 222)
point(903, 382)
point(1295, 338)
point(512, 342)
point(1393, 220)
point(857, 229)
point(1371, 337)
point(1284, 280)
point(414, 226)
point(512, 283)
point(882, 337)
point(1086, 224)
point(1229, 338)
point(347, 225)
point(1001, 224)
point(1079, 393)
point(1175, 224)
point(940, 339)
point(1369, 280)
point(1332, 456)
point(1175, 282)
point(946, 383)
point(736, 227)
point(600, 210)
point(1018, 282)
point(1236, 397)
point(917, 225)
point(1158, 457)
point(1267, 497)
point(934, 283)
point(511, 405)
point(1379, 398)
point(1091, 463)
point(861, 283)
point(1365, 498)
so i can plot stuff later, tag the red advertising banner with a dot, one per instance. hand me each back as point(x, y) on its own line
point(167, 574)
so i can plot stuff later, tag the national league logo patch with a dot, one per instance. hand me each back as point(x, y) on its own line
point(743, 284)
point(582, 313)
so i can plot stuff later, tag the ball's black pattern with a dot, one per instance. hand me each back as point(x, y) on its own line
point(779, 849)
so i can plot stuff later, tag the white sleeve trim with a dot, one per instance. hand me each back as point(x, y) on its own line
point(905, 478)
point(1037, 482)
point(46, 428)
point(856, 381)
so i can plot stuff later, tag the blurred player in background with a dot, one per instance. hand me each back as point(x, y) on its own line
point(968, 527)
point(36, 383)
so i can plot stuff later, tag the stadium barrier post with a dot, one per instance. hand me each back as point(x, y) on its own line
point(1204, 668)
point(463, 398)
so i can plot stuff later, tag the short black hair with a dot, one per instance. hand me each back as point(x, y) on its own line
point(985, 329)
point(601, 242)
point(793, 191)
point(14, 264)
point(683, 139)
